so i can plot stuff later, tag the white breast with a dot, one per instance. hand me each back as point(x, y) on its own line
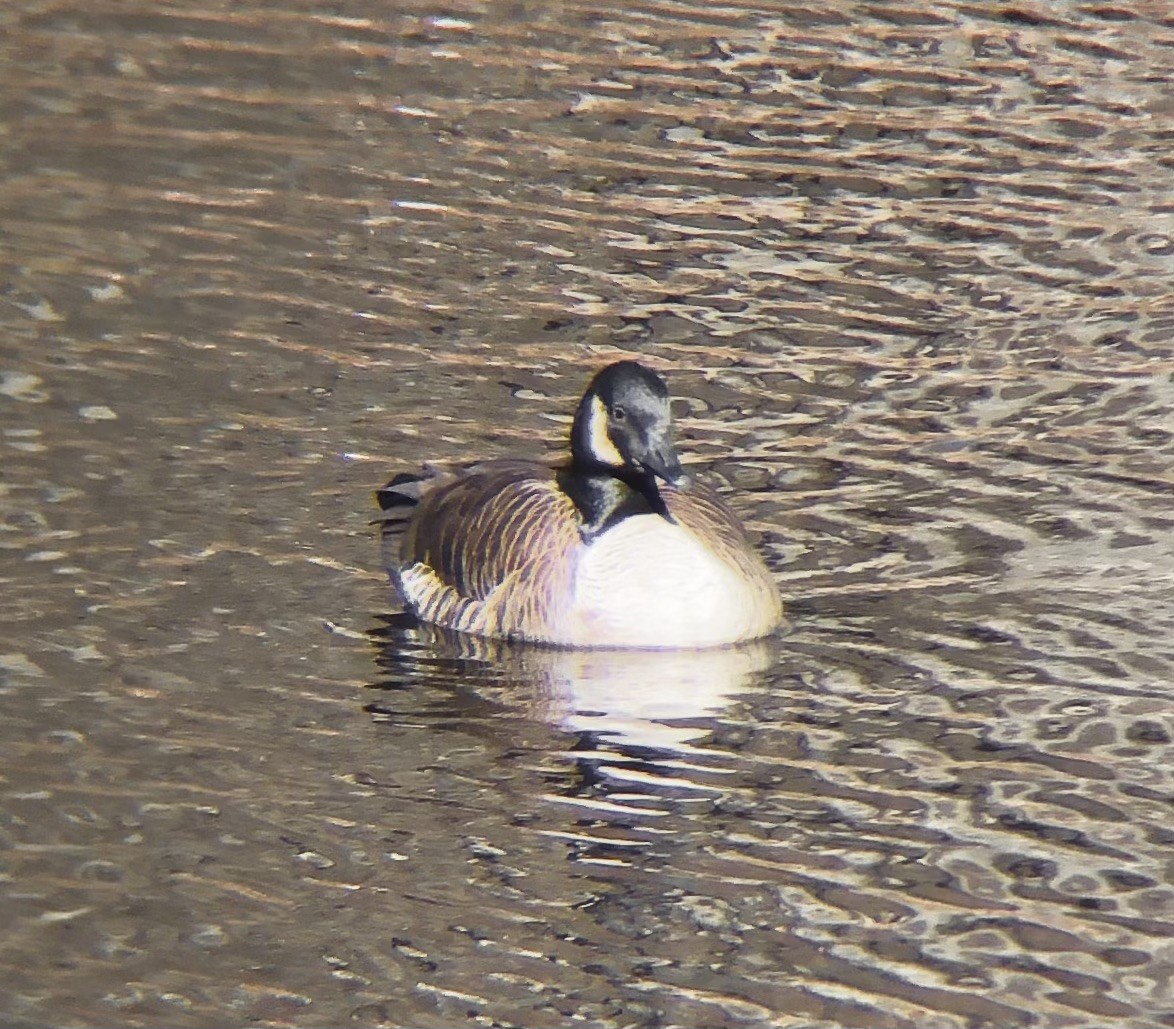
point(649, 582)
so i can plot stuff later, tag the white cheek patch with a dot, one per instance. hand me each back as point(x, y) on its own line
point(602, 448)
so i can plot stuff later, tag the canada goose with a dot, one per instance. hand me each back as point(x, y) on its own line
point(596, 553)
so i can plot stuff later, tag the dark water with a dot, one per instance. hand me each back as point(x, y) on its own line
point(909, 265)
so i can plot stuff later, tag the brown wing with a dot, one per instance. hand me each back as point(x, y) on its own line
point(491, 551)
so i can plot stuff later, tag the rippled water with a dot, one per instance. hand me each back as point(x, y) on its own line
point(908, 266)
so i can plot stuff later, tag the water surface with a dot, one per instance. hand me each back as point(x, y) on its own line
point(907, 265)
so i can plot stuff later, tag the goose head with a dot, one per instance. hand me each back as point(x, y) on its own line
point(624, 425)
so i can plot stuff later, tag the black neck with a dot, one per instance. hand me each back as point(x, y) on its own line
point(605, 496)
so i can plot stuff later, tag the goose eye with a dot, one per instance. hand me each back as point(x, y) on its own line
point(618, 414)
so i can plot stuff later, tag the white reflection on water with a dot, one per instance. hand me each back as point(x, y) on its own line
point(646, 698)
point(628, 698)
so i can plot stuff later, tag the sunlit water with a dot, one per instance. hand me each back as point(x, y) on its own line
point(907, 267)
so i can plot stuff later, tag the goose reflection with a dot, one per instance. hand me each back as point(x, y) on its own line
point(631, 700)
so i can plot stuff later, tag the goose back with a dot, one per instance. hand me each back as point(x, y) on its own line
point(489, 550)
